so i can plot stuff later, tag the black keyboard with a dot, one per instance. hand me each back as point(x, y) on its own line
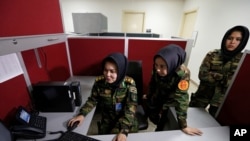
point(38, 121)
point(73, 136)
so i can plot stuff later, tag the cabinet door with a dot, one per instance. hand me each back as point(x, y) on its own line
point(30, 17)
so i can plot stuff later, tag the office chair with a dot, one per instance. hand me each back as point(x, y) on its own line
point(135, 71)
point(5, 134)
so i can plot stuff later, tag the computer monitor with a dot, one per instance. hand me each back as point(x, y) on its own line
point(235, 109)
point(53, 96)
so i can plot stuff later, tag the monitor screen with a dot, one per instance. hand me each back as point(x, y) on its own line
point(53, 97)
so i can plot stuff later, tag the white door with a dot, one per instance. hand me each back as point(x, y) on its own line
point(133, 22)
point(188, 24)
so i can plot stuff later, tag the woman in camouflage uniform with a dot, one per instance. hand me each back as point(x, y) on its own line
point(168, 87)
point(116, 95)
point(217, 69)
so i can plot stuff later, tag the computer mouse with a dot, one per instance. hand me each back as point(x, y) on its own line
point(75, 124)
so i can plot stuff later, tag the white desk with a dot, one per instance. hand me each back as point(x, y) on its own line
point(211, 129)
point(209, 134)
point(199, 117)
point(196, 117)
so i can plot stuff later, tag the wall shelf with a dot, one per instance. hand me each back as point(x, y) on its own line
point(20, 43)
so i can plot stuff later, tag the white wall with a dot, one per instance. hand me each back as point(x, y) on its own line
point(215, 17)
point(161, 16)
point(164, 17)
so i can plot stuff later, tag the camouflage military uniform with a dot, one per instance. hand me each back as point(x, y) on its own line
point(118, 106)
point(215, 76)
point(167, 92)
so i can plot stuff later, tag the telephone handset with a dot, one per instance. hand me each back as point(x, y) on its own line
point(28, 132)
point(30, 126)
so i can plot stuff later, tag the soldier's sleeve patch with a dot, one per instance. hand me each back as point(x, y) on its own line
point(183, 85)
point(133, 89)
point(133, 95)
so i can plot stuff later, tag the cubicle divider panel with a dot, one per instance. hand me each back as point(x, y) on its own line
point(86, 53)
point(14, 93)
point(51, 63)
point(145, 49)
point(27, 18)
point(235, 108)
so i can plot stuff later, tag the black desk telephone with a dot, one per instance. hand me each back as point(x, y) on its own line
point(29, 126)
point(25, 131)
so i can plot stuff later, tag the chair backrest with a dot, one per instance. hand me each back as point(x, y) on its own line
point(5, 134)
point(135, 71)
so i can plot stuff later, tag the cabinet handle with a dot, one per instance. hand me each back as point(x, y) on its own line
point(14, 41)
point(38, 58)
point(53, 39)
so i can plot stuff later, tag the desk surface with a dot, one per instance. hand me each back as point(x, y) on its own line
point(194, 113)
point(58, 121)
point(209, 134)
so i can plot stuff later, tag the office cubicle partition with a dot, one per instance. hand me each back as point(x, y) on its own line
point(17, 32)
point(34, 18)
point(145, 49)
point(236, 106)
point(49, 64)
point(87, 52)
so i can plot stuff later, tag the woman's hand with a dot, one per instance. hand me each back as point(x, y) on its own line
point(120, 137)
point(79, 118)
point(192, 131)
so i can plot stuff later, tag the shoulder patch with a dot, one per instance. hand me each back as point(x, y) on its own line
point(98, 78)
point(183, 85)
point(129, 80)
point(183, 72)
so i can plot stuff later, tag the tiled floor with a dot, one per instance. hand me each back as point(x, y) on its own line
point(151, 128)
